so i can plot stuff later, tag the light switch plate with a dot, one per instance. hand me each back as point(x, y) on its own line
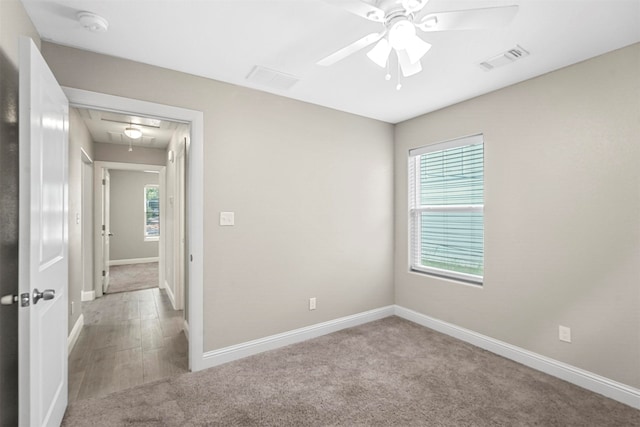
point(227, 218)
point(564, 333)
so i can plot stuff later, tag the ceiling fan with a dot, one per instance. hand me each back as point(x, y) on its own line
point(400, 19)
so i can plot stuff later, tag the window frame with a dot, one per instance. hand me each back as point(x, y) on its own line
point(415, 211)
point(148, 237)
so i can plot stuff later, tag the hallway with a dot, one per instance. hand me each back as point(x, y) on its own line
point(128, 339)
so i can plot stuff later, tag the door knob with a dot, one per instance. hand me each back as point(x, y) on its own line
point(46, 295)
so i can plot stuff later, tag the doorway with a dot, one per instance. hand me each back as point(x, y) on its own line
point(193, 195)
point(133, 228)
point(154, 317)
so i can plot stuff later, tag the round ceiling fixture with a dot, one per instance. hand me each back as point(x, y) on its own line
point(92, 22)
point(133, 133)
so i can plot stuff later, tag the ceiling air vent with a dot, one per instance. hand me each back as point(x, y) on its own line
point(504, 58)
point(273, 79)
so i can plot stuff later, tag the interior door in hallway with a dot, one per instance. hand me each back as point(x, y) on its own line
point(43, 242)
point(106, 228)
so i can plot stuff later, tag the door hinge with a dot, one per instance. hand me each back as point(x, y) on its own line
point(103, 227)
point(104, 181)
point(104, 273)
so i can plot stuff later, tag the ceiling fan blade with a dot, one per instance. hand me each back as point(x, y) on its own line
point(380, 53)
point(362, 9)
point(470, 19)
point(350, 49)
point(416, 49)
point(413, 6)
point(408, 69)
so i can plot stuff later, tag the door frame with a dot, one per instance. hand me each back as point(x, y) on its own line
point(86, 175)
point(177, 206)
point(101, 168)
point(195, 200)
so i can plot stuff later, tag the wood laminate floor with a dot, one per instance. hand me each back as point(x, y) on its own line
point(128, 338)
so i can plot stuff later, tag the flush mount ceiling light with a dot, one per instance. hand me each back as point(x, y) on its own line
point(400, 19)
point(133, 133)
point(92, 22)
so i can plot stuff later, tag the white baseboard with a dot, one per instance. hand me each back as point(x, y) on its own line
point(87, 296)
point(75, 333)
point(132, 261)
point(185, 328)
point(585, 379)
point(170, 294)
point(249, 348)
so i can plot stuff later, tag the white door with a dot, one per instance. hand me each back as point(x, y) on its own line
point(106, 228)
point(43, 244)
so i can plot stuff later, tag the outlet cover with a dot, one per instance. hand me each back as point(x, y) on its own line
point(312, 303)
point(564, 333)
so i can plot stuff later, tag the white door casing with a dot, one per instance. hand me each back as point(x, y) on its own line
point(179, 228)
point(194, 166)
point(43, 242)
point(87, 225)
point(106, 228)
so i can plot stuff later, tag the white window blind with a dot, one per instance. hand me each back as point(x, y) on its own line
point(446, 209)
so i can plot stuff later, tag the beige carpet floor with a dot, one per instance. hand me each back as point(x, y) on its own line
point(386, 373)
point(132, 277)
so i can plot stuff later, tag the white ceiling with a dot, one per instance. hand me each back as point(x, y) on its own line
point(108, 128)
point(224, 40)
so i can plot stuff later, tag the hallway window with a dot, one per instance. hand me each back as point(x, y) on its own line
point(151, 212)
point(446, 209)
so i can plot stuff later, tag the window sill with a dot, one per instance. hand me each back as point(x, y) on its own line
point(459, 280)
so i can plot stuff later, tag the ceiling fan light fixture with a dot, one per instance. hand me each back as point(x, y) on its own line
point(408, 68)
point(416, 48)
point(133, 133)
point(380, 53)
point(401, 33)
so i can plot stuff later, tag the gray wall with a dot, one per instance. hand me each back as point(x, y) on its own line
point(312, 189)
point(120, 153)
point(79, 137)
point(13, 23)
point(562, 215)
point(127, 215)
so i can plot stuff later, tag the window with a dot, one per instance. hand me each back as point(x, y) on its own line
point(446, 209)
point(151, 212)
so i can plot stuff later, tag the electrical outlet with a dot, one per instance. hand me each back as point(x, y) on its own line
point(564, 333)
point(312, 303)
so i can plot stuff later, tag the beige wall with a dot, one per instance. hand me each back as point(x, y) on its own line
point(79, 138)
point(312, 190)
point(127, 215)
point(14, 22)
point(562, 237)
point(120, 154)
